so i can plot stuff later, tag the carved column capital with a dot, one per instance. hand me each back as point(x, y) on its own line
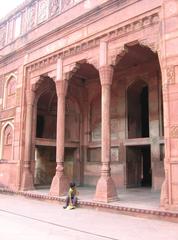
point(106, 74)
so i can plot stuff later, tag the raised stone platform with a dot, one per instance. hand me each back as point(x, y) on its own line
point(139, 202)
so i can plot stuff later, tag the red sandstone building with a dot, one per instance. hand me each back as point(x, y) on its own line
point(89, 92)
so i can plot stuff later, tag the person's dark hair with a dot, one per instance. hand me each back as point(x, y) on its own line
point(72, 184)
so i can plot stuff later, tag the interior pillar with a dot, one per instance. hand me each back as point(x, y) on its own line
point(156, 165)
point(105, 189)
point(27, 178)
point(60, 182)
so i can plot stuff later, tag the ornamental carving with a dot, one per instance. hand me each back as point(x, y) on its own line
point(170, 74)
point(31, 17)
point(2, 36)
point(137, 25)
point(118, 32)
point(152, 45)
point(114, 154)
point(42, 11)
point(174, 131)
point(93, 62)
point(72, 69)
point(53, 7)
point(66, 4)
point(117, 55)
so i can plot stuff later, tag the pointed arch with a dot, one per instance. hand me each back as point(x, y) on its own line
point(7, 139)
point(10, 91)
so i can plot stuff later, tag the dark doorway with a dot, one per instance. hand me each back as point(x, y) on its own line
point(138, 166)
point(144, 112)
point(40, 126)
point(45, 165)
point(138, 112)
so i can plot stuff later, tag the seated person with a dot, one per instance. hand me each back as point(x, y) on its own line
point(71, 200)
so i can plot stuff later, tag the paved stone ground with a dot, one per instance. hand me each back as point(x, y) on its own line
point(26, 219)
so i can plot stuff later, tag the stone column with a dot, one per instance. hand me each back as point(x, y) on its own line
point(60, 182)
point(27, 178)
point(169, 67)
point(156, 164)
point(106, 190)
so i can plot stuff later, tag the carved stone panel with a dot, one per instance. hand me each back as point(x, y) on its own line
point(54, 7)
point(31, 16)
point(66, 4)
point(114, 154)
point(2, 36)
point(42, 10)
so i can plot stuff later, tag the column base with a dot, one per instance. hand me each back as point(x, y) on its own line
point(106, 190)
point(27, 181)
point(59, 185)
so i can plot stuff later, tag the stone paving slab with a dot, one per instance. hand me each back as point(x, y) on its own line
point(25, 219)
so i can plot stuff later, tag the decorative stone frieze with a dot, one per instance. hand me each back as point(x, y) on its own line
point(118, 32)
